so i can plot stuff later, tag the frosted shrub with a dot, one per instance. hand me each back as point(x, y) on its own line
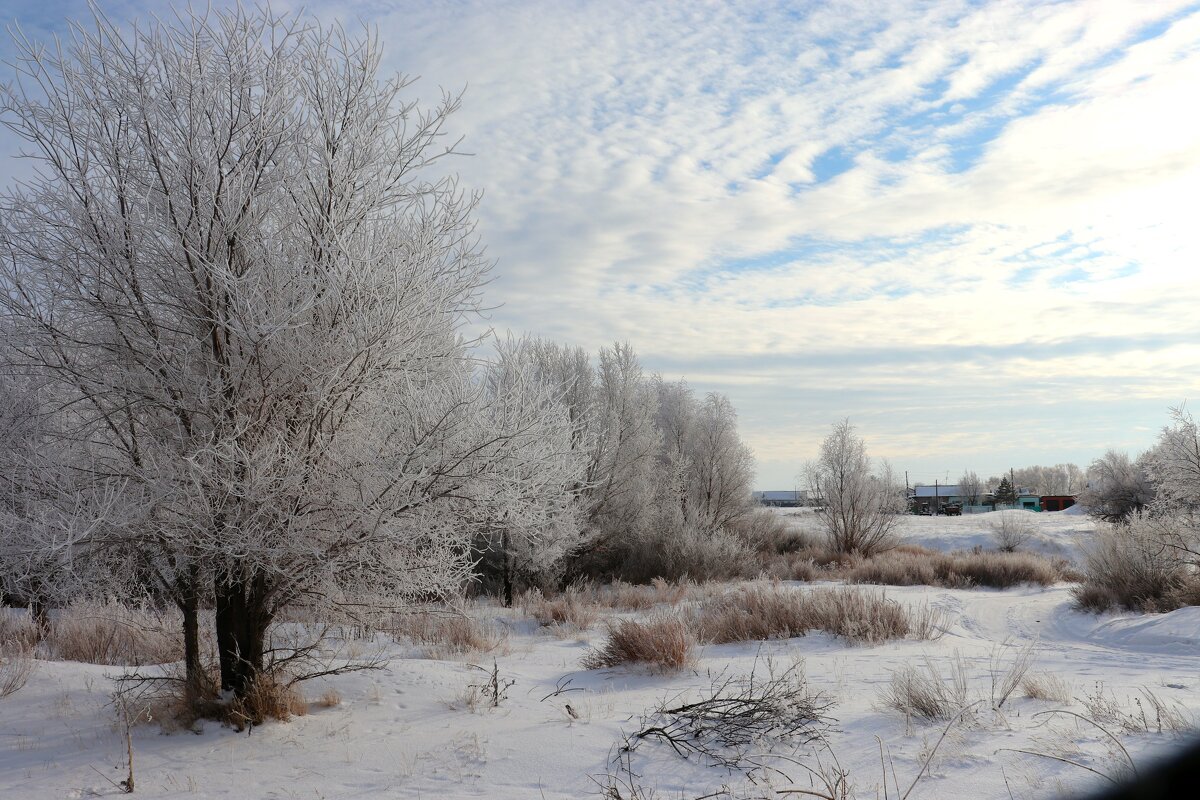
point(1128, 566)
point(688, 552)
point(1011, 529)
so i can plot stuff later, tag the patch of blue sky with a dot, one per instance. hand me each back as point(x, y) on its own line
point(768, 166)
point(1073, 275)
point(831, 163)
point(1024, 276)
point(804, 249)
point(1127, 271)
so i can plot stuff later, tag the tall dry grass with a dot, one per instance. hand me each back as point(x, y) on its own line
point(768, 611)
point(923, 691)
point(448, 632)
point(16, 665)
point(997, 570)
point(663, 643)
point(17, 628)
point(114, 634)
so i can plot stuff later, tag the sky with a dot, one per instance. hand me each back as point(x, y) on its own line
point(968, 227)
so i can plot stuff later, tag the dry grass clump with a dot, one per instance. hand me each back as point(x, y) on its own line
point(622, 596)
point(16, 665)
point(1047, 686)
point(330, 698)
point(773, 612)
point(1130, 566)
point(922, 691)
point(1006, 677)
point(569, 609)
point(797, 566)
point(448, 632)
point(919, 567)
point(911, 565)
point(17, 628)
point(663, 643)
point(267, 698)
point(114, 634)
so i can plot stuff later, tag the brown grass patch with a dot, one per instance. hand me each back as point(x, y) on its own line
point(1047, 686)
point(267, 698)
point(922, 691)
point(114, 634)
point(16, 665)
point(330, 698)
point(771, 612)
point(569, 609)
point(1132, 566)
point(17, 629)
point(921, 567)
point(448, 633)
point(662, 643)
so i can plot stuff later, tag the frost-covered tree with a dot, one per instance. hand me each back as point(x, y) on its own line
point(675, 421)
point(722, 466)
point(1173, 466)
point(528, 511)
point(44, 530)
point(235, 274)
point(623, 473)
point(1058, 479)
point(860, 502)
point(1117, 487)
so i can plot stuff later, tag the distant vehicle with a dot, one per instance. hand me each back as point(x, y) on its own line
point(952, 510)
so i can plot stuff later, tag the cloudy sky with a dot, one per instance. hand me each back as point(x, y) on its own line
point(970, 227)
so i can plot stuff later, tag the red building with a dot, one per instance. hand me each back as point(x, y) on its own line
point(1056, 502)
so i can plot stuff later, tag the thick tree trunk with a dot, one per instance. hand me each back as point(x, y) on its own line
point(193, 668)
point(242, 621)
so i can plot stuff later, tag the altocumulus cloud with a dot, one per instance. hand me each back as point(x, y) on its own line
point(967, 226)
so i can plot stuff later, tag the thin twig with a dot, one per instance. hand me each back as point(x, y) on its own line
point(933, 752)
point(1057, 758)
point(1098, 727)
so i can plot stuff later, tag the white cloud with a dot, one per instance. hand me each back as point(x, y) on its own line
point(1018, 177)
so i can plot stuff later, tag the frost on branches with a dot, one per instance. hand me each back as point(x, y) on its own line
point(860, 503)
point(240, 295)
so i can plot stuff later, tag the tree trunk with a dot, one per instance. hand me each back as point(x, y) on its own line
point(193, 668)
point(507, 569)
point(242, 621)
point(41, 617)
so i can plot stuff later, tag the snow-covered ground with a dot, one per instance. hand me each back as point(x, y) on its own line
point(407, 731)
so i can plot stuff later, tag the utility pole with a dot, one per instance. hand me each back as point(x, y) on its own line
point(936, 505)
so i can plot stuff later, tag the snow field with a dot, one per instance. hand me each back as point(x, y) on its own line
point(418, 729)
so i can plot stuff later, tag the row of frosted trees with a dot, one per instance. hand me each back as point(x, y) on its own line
point(234, 295)
point(656, 477)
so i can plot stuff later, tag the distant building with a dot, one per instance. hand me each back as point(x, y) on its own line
point(1029, 501)
point(933, 499)
point(789, 498)
point(1056, 502)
